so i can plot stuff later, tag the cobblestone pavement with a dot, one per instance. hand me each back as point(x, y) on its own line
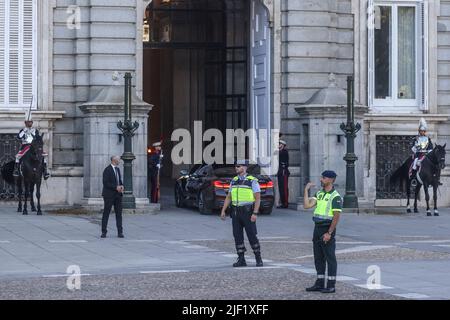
point(180, 254)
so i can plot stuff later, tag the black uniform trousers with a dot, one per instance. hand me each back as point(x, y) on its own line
point(109, 202)
point(324, 253)
point(283, 187)
point(242, 220)
point(154, 188)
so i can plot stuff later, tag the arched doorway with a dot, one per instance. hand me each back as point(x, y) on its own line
point(205, 60)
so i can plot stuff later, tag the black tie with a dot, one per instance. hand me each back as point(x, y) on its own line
point(117, 175)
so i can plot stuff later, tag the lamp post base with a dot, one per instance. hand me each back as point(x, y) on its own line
point(350, 201)
point(128, 202)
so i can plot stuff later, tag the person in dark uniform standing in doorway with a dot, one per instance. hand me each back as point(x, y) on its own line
point(283, 175)
point(328, 203)
point(154, 168)
point(245, 198)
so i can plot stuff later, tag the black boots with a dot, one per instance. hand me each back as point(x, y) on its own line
point(318, 286)
point(16, 170)
point(259, 262)
point(240, 261)
point(330, 287)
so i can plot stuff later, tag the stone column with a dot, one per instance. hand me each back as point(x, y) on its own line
point(322, 115)
point(102, 139)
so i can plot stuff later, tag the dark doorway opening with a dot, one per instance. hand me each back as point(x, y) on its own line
point(195, 69)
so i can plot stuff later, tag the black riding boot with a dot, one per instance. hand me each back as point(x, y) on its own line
point(318, 286)
point(16, 170)
point(240, 261)
point(46, 174)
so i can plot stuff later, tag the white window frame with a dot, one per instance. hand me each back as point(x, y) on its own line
point(6, 105)
point(394, 104)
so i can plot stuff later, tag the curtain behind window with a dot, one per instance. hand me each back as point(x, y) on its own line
point(406, 53)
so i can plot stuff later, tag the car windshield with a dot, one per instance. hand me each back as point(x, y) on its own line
point(229, 171)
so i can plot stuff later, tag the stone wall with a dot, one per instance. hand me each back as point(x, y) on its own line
point(317, 39)
point(83, 62)
point(443, 99)
point(84, 59)
point(68, 139)
point(443, 83)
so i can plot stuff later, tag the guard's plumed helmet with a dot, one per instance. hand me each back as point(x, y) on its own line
point(28, 116)
point(422, 125)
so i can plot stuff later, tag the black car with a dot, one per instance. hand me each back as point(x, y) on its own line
point(206, 186)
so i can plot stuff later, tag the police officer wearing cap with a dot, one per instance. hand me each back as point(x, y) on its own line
point(328, 203)
point(245, 197)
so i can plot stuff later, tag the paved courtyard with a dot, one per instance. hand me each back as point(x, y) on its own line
point(180, 254)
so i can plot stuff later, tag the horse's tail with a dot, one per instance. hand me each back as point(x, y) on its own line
point(400, 175)
point(7, 172)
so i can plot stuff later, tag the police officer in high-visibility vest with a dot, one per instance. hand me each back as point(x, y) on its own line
point(245, 197)
point(328, 203)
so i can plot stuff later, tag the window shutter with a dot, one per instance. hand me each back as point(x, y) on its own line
point(424, 64)
point(14, 47)
point(28, 63)
point(2, 51)
point(17, 53)
point(370, 51)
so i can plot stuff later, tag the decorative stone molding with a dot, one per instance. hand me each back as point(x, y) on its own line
point(102, 139)
point(322, 114)
point(269, 4)
point(13, 121)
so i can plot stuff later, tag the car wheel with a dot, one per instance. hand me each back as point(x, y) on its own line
point(202, 207)
point(179, 201)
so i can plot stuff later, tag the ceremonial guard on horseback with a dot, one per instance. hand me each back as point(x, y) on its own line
point(26, 136)
point(423, 168)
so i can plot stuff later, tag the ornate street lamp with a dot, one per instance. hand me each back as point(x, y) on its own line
point(128, 128)
point(350, 129)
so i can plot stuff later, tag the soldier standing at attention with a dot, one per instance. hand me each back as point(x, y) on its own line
point(283, 175)
point(154, 168)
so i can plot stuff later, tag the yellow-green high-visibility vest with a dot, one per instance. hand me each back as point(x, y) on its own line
point(241, 191)
point(324, 210)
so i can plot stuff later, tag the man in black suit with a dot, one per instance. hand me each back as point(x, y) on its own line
point(112, 195)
